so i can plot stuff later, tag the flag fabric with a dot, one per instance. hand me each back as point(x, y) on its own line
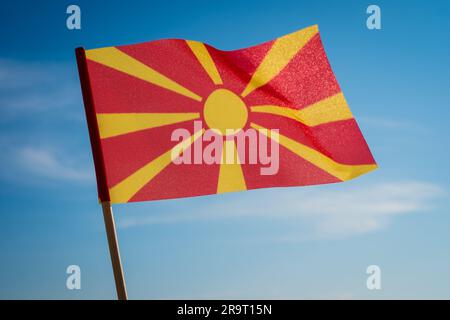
point(137, 96)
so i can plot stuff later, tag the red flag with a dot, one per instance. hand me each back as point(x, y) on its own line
point(141, 101)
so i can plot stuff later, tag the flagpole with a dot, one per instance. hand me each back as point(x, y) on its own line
point(102, 186)
point(114, 251)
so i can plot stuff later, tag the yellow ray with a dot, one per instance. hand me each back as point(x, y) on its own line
point(118, 60)
point(339, 170)
point(331, 109)
point(115, 124)
point(127, 188)
point(281, 53)
point(201, 53)
point(231, 177)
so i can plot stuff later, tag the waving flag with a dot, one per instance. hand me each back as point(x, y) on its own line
point(136, 96)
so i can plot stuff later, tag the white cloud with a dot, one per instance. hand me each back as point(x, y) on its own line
point(31, 164)
point(35, 97)
point(391, 124)
point(44, 163)
point(366, 209)
point(337, 211)
point(30, 87)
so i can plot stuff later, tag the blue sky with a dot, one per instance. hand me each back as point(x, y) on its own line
point(311, 242)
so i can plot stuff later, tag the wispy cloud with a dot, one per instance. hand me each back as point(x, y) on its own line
point(366, 209)
point(391, 124)
point(36, 100)
point(30, 87)
point(44, 163)
point(340, 212)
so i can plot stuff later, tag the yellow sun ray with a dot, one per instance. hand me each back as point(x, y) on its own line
point(115, 124)
point(331, 109)
point(118, 60)
point(279, 55)
point(231, 177)
point(201, 53)
point(341, 171)
point(127, 188)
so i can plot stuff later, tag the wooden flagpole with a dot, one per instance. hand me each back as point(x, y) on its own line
point(102, 186)
point(114, 251)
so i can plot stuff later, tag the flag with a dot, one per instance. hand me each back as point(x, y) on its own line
point(142, 100)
